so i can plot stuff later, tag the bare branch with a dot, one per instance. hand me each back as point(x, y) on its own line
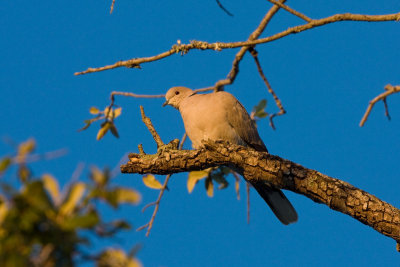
point(37, 157)
point(152, 130)
point(218, 46)
point(134, 95)
point(149, 225)
point(112, 6)
point(223, 8)
point(290, 10)
point(390, 89)
point(157, 204)
point(270, 90)
point(248, 201)
point(261, 167)
point(230, 78)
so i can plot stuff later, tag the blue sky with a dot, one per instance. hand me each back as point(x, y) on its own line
point(324, 77)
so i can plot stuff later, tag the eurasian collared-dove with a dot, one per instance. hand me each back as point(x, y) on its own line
point(220, 116)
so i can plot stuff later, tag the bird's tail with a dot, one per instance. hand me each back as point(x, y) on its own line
point(278, 203)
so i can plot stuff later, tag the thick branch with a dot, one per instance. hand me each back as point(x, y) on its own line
point(218, 46)
point(259, 167)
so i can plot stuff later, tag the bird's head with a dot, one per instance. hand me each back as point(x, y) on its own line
point(175, 95)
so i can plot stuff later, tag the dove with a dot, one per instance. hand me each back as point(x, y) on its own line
point(220, 116)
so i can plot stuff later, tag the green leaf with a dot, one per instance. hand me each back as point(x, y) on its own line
point(194, 177)
point(103, 130)
point(87, 124)
point(151, 182)
point(260, 106)
point(36, 196)
point(24, 173)
point(116, 258)
point(75, 194)
point(94, 110)
point(114, 130)
point(112, 228)
point(51, 186)
point(5, 163)
point(86, 221)
point(220, 179)
point(100, 178)
point(261, 114)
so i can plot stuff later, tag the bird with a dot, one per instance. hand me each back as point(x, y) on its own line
point(220, 116)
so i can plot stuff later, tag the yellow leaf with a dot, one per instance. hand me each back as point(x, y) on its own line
point(117, 112)
point(116, 257)
point(3, 210)
point(209, 187)
point(103, 130)
point(51, 185)
point(26, 147)
point(126, 195)
point(194, 177)
point(237, 189)
point(98, 176)
point(75, 194)
point(94, 110)
point(151, 182)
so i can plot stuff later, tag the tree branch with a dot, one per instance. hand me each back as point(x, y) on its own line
point(218, 46)
point(390, 89)
point(291, 10)
point(230, 78)
point(270, 90)
point(260, 167)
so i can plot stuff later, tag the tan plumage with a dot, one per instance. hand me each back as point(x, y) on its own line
point(220, 116)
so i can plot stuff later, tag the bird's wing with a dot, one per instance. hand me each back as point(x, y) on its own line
point(241, 122)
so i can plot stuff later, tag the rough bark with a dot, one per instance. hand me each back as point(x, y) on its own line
point(259, 167)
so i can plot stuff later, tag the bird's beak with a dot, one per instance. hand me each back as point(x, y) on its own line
point(165, 103)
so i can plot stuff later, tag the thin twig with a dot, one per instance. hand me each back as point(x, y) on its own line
point(184, 48)
point(112, 101)
point(149, 205)
point(224, 9)
point(389, 90)
point(386, 108)
point(204, 89)
point(141, 151)
point(116, 170)
point(152, 130)
point(134, 95)
point(77, 172)
point(278, 102)
point(112, 6)
point(291, 10)
point(248, 201)
point(37, 157)
point(183, 139)
point(156, 203)
point(157, 206)
point(230, 78)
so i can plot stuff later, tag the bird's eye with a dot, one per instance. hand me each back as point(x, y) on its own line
point(177, 92)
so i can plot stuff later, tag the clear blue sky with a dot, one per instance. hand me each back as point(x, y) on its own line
point(324, 77)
